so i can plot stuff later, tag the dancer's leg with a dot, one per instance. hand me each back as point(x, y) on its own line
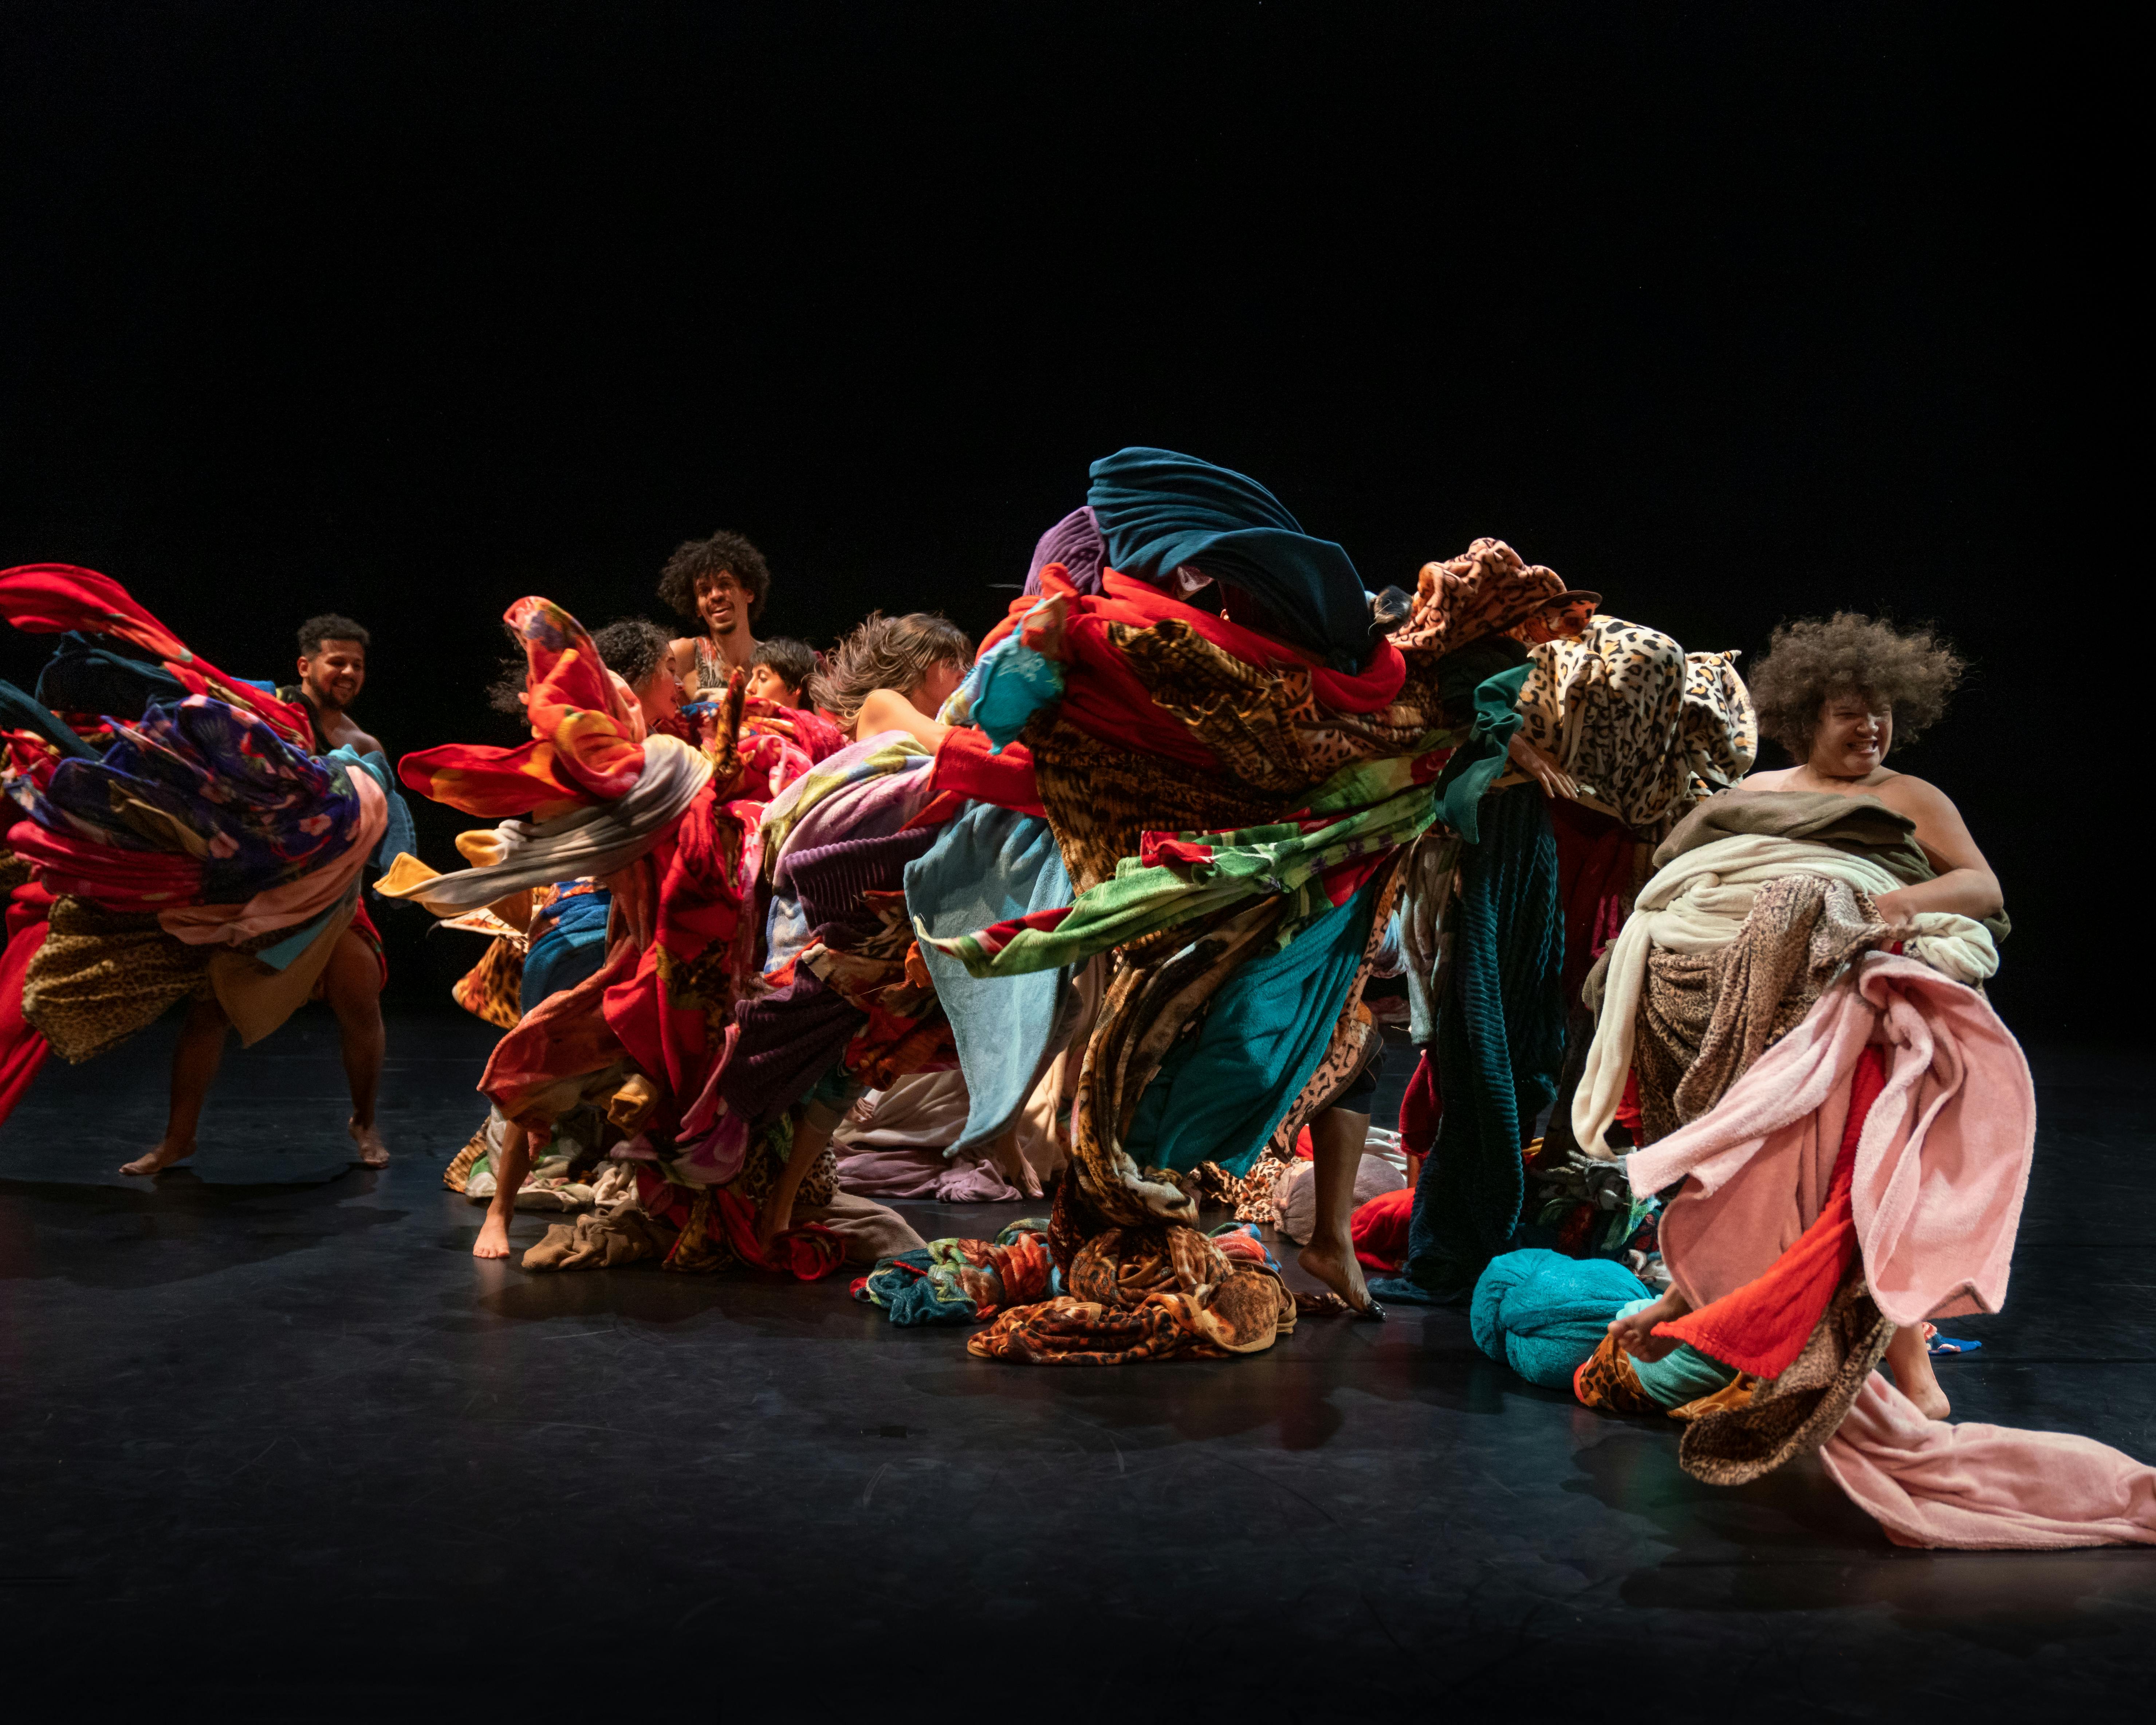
point(812, 1131)
point(195, 1062)
point(1337, 1138)
point(351, 982)
point(511, 1164)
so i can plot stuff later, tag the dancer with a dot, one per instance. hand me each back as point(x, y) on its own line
point(786, 672)
point(670, 830)
point(332, 671)
point(1850, 1123)
point(894, 674)
point(1233, 795)
point(638, 653)
point(721, 581)
point(197, 852)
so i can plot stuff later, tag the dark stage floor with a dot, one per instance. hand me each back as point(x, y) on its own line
point(278, 1447)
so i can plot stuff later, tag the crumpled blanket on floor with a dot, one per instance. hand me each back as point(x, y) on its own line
point(1159, 1293)
point(956, 1281)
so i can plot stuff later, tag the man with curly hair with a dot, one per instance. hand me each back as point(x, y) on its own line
point(1836, 695)
point(723, 582)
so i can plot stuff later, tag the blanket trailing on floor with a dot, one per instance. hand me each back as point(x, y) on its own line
point(1934, 1187)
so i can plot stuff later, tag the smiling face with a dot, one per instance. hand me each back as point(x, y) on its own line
point(335, 673)
point(722, 601)
point(1852, 736)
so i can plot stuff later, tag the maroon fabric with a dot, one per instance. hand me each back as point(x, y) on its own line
point(1420, 1109)
point(1594, 880)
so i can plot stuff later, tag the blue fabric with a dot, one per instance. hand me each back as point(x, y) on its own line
point(1544, 1314)
point(1499, 1041)
point(1008, 684)
point(397, 837)
point(1158, 509)
point(1219, 1095)
point(988, 865)
point(85, 676)
point(277, 957)
point(1480, 761)
point(1684, 1374)
point(568, 951)
point(19, 712)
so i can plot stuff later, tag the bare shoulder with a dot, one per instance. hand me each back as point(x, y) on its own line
point(364, 743)
point(1912, 795)
point(1775, 779)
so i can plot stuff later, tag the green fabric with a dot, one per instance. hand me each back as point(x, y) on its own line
point(1499, 1041)
point(1682, 1376)
point(1219, 1095)
point(1378, 807)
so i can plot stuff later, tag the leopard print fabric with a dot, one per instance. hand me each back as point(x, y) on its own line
point(1643, 728)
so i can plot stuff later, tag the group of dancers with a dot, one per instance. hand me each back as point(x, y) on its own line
point(1711, 1118)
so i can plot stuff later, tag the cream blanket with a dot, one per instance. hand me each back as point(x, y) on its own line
point(1695, 904)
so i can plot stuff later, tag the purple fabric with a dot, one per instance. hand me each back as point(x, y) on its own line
point(788, 1040)
point(923, 1172)
point(1077, 543)
point(869, 809)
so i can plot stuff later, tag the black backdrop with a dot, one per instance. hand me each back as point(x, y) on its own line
point(408, 310)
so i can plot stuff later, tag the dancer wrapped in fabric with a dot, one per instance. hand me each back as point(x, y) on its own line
point(1234, 762)
point(672, 831)
point(181, 844)
point(1799, 996)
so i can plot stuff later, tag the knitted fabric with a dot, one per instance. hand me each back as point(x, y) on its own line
point(1500, 1039)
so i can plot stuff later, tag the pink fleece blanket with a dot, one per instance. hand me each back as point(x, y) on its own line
point(1942, 1167)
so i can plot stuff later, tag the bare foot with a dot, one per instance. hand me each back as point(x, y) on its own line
point(372, 1152)
point(163, 1157)
point(1635, 1334)
point(1339, 1269)
point(777, 1218)
point(1911, 1362)
point(493, 1240)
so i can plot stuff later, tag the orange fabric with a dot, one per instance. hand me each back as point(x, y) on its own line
point(584, 747)
point(1763, 1326)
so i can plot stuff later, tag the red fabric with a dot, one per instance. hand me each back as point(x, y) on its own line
point(1628, 1108)
point(1763, 1326)
point(671, 1013)
point(1594, 880)
point(964, 764)
point(1102, 697)
point(119, 880)
point(1421, 1108)
point(1380, 1229)
point(583, 750)
point(564, 1036)
point(47, 598)
point(808, 1252)
point(23, 1046)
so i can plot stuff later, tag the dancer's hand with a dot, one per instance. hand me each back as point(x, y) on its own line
point(1540, 766)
